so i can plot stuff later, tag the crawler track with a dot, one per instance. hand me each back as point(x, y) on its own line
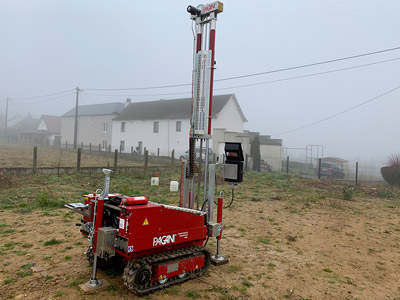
point(137, 273)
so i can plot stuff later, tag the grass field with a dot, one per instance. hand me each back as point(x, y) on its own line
point(286, 238)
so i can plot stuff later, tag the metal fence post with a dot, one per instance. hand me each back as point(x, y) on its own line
point(146, 161)
point(246, 162)
point(158, 155)
point(172, 157)
point(356, 173)
point(82, 145)
point(115, 159)
point(131, 152)
point(287, 164)
point(90, 147)
point(78, 161)
point(109, 149)
point(34, 159)
point(319, 168)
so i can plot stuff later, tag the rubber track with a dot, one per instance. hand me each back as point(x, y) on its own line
point(135, 265)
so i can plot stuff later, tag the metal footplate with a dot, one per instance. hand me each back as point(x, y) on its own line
point(79, 208)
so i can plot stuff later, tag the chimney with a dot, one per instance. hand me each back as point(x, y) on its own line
point(127, 102)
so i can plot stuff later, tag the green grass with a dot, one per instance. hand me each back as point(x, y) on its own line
point(264, 240)
point(327, 270)
point(52, 242)
point(192, 294)
point(8, 280)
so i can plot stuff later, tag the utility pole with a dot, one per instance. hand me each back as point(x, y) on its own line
point(76, 119)
point(5, 121)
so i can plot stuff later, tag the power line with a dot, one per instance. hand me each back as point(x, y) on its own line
point(340, 113)
point(253, 74)
point(41, 96)
point(308, 75)
point(89, 97)
point(312, 64)
point(45, 100)
point(257, 83)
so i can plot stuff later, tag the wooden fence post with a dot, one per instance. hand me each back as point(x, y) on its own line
point(146, 161)
point(115, 160)
point(90, 147)
point(34, 159)
point(131, 152)
point(78, 161)
point(158, 155)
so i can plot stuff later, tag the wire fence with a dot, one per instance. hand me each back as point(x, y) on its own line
point(295, 161)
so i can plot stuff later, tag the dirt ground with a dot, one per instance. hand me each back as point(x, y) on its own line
point(290, 239)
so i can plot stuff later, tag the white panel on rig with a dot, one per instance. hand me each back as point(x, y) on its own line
point(201, 94)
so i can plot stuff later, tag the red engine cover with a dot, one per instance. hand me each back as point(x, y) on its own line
point(152, 228)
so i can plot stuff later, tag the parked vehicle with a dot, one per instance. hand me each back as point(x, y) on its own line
point(331, 170)
point(197, 154)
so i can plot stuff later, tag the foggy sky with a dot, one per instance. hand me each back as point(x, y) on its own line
point(49, 46)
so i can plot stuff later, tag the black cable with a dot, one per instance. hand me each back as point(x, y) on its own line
point(253, 74)
point(310, 65)
point(33, 97)
point(253, 84)
point(339, 113)
point(206, 241)
point(45, 100)
point(231, 200)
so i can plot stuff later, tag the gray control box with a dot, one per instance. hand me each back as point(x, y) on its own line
point(106, 242)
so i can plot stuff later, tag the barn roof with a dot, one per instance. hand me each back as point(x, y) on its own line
point(53, 123)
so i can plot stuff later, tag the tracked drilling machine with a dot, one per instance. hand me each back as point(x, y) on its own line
point(162, 244)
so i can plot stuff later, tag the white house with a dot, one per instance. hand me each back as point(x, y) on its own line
point(94, 124)
point(165, 124)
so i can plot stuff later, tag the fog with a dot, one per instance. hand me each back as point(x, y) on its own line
point(52, 46)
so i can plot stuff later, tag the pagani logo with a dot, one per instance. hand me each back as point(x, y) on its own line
point(163, 240)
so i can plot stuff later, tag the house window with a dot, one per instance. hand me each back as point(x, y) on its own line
point(122, 126)
point(155, 127)
point(104, 127)
point(178, 126)
point(104, 146)
point(122, 146)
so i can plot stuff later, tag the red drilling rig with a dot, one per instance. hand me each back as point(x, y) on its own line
point(162, 244)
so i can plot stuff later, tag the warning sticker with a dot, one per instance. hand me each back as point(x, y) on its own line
point(122, 223)
point(183, 235)
point(145, 222)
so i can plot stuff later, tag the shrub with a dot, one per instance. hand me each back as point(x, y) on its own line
point(45, 200)
point(393, 160)
point(348, 193)
point(391, 174)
